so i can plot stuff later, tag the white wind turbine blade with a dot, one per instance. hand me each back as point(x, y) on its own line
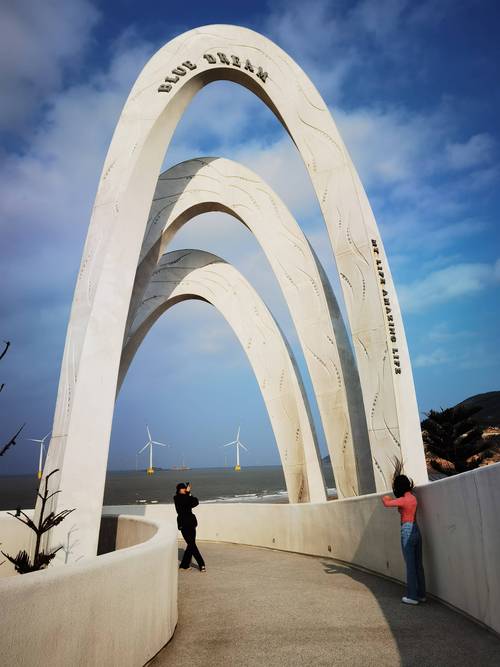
point(162, 444)
point(145, 446)
point(242, 445)
point(40, 440)
point(149, 434)
point(238, 435)
point(230, 443)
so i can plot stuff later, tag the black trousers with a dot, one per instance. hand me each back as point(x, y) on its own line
point(189, 534)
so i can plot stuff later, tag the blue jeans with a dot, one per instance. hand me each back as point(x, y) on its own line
point(411, 544)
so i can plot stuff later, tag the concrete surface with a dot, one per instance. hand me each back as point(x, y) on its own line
point(262, 607)
point(458, 518)
point(116, 609)
point(100, 309)
point(14, 536)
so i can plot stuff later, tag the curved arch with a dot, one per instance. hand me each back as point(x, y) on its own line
point(208, 184)
point(194, 274)
point(102, 294)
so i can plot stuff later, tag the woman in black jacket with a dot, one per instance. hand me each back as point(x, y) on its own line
point(186, 522)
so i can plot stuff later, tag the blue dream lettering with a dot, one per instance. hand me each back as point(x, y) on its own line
point(219, 59)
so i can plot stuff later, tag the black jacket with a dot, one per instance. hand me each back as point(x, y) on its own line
point(184, 503)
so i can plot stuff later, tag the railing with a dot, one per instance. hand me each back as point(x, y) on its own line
point(459, 518)
point(121, 608)
point(116, 609)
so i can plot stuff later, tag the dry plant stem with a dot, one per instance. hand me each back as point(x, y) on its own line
point(40, 559)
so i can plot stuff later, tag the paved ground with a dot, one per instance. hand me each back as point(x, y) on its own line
point(262, 607)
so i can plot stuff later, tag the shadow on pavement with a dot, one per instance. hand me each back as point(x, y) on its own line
point(427, 634)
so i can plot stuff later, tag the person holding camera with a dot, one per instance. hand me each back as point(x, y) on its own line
point(186, 522)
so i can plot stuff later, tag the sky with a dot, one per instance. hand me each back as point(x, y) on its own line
point(413, 88)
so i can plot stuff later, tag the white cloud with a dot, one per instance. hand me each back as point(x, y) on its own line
point(423, 176)
point(219, 115)
point(437, 357)
point(448, 284)
point(387, 145)
point(476, 151)
point(226, 237)
point(380, 18)
point(403, 149)
point(403, 159)
point(212, 340)
point(46, 192)
point(46, 196)
point(281, 167)
point(300, 27)
point(334, 42)
point(479, 355)
point(442, 333)
point(445, 234)
point(428, 234)
point(39, 41)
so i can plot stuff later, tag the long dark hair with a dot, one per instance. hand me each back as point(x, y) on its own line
point(400, 482)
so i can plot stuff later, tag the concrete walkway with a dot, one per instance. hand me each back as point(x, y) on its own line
point(262, 607)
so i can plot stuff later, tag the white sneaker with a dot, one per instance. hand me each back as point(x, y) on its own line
point(409, 600)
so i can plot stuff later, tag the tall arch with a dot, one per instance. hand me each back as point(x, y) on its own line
point(194, 274)
point(209, 184)
point(158, 98)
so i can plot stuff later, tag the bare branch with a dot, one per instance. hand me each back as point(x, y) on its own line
point(27, 521)
point(41, 559)
point(53, 494)
point(4, 351)
point(50, 474)
point(52, 520)
point(11, 442)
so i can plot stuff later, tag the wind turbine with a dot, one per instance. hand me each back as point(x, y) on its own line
point(42, 444)
point(238, 444)
point(150, 444)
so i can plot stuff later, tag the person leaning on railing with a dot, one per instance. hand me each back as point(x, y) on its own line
point(411, 540)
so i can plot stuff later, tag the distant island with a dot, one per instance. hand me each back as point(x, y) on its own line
point(463, 437)
point(489, 414)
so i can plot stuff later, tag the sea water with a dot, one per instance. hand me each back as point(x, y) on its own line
point(250, 484)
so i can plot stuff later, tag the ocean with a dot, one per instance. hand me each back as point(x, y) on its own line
point(250, 484)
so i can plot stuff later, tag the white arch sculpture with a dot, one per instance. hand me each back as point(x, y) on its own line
point(194, 274)
point(92, 352)
point(208, 184)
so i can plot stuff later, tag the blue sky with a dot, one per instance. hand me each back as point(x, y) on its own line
point(414, 90)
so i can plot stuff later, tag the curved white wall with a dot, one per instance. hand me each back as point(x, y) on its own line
point(116, 609)
point(124, 604)
point(459, 519)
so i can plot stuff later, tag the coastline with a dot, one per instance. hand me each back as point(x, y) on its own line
point(253, 484)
